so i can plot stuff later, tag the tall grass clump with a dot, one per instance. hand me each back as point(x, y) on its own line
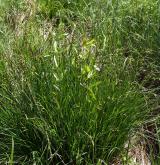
point(69, 93)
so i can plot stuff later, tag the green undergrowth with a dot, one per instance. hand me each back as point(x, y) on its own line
point(69, 92)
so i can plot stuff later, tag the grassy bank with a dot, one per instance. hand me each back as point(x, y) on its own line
point(76, 79)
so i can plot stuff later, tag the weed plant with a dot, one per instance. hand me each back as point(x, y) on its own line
point(68, 89)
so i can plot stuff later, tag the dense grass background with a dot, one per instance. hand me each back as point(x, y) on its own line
point(77, 80)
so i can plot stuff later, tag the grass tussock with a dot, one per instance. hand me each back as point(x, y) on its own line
point(71, 76)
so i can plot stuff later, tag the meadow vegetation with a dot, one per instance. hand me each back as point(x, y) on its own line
point(78, 79)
